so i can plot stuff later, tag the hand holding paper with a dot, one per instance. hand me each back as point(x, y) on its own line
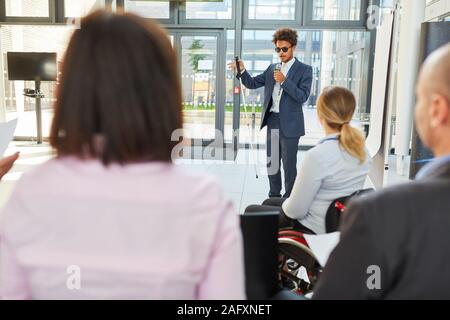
point(7, 163)
point(322, 245)
point(6, 135)
point(7, 130)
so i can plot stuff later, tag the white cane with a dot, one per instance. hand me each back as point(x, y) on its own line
point(252, 148)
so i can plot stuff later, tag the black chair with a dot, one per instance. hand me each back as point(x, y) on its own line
point(337, 207)
point(261, 250)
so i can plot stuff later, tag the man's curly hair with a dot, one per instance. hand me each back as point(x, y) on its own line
point(286, 34)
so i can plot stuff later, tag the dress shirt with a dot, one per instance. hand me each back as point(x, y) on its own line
point(278, 90)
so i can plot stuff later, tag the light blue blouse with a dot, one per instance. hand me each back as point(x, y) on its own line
point(327, 173)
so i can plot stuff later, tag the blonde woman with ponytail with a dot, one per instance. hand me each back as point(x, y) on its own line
point(335, 168)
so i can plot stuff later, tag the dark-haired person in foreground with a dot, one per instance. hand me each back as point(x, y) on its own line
point(285, 92)
point(396, 244)
point(112, 217)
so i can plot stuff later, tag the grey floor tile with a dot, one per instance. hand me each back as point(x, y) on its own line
point(256, 186)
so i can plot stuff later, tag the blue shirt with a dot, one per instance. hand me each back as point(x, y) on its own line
point(433, 165)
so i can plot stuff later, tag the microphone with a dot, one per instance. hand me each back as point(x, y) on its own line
point(278, 69)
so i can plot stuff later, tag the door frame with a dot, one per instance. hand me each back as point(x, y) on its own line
point(220, 81)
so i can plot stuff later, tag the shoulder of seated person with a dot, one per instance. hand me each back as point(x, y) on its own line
point(404, 198)
point(320, 152)
point(41, 172)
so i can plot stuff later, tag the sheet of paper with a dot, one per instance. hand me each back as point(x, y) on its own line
point(322, 245)
point(7, 130)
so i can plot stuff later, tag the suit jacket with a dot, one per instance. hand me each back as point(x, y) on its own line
point(403, 230)
point(296, 90)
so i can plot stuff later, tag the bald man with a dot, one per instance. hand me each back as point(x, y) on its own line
point(396, 244)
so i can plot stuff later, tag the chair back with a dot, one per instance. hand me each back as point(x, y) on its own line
point(337, 207)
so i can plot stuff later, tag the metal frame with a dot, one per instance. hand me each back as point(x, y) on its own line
point(238, 26)
point(370, 62)
point(13, 19)
point(297, 22)
point(334, 24)
point(61, 14)
point(224, 23)
point(173, 12)
point(220, 71)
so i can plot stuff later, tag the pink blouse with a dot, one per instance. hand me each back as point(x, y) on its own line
point(75, 229)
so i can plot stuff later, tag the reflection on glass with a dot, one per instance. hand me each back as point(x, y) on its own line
point(81, 8)
point(149, 9)
point(198, 76)
point(213, 10)
point(271, 9)
point(336, 9)
point(337, 58)
point(29, 39)
point(27, 8)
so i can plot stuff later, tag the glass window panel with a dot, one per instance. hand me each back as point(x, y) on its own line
point(149, 9)
point(271, 9)
point(343, 10)
point(257, 34)
point(27, 8)
point(79, 8)
point(212, 10)
point(337, 58)
point(198, 78)
point(28, 39)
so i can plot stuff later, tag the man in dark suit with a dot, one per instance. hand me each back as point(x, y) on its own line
point(396, 244)
point(287, 86)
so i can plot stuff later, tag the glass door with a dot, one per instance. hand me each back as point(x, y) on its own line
point(198, 76)
point(202, 78)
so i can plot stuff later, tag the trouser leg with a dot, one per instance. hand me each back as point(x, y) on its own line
point(289, 150)
point(274, 155)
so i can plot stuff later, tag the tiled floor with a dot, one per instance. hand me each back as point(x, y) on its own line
point(238, 178)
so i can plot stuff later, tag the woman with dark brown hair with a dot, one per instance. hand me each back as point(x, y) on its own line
point(111, 217)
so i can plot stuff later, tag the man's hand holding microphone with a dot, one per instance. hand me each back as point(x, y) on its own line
point(278, 75)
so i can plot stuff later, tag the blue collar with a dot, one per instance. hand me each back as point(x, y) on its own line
point(432, 166)
point(331, 137)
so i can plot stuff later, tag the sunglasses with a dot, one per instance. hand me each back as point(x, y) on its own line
point(284, 49)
